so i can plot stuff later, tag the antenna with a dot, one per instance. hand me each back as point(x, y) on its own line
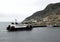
point(16, 21)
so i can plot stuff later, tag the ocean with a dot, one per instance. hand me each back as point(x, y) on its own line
point(39, 34)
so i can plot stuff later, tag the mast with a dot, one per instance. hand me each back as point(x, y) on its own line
point(16, 21)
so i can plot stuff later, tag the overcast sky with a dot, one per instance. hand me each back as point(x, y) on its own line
point(20, 9)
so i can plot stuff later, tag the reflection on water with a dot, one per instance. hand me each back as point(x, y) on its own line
point(40, 34)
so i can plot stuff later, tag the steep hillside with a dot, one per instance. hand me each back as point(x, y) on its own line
point(47, 11)
point(51, 9)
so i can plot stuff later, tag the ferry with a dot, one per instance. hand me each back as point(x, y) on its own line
point(15, 26)
point(18, 26)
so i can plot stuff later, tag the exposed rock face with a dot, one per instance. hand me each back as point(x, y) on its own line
point(50, 11)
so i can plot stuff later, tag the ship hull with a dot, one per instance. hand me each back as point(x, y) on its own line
point(13, 28)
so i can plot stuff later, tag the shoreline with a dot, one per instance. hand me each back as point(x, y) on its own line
point(46, 26)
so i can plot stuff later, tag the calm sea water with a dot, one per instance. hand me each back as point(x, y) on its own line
point(44, 34)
